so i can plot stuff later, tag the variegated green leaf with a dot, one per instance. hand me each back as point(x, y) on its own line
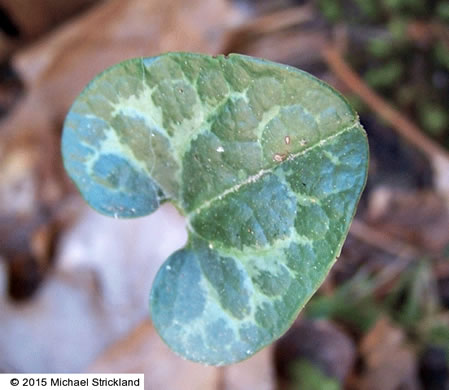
point(267, 164)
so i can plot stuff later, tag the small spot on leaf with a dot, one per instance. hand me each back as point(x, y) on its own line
point(279, 157)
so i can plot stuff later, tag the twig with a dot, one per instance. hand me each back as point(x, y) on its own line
point(221, 378)
point(266, 25)
point(404, 252)
point(380, 240)
point(277, 21)
point(398, 121)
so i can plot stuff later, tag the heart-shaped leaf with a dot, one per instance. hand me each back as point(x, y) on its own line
point(267, 164)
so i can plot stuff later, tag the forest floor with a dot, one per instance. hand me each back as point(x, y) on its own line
point(74, 298)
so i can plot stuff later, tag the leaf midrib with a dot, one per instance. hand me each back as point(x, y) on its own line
point(254, 178)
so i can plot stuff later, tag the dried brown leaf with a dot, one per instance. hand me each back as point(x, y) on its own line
point(390, 363)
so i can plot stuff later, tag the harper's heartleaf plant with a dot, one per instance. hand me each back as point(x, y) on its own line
point(266, 163)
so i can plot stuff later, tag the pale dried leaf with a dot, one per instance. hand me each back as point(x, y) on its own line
point(96, 295)
point(143, 351)
point(254, 373)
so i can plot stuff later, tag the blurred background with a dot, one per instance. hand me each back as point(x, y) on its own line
point(74, 285)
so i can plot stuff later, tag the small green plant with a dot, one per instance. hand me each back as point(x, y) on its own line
point(265, 162)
